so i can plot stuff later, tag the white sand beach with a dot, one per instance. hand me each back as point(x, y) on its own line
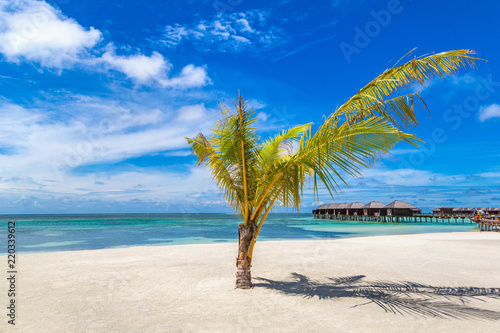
point(411, 283)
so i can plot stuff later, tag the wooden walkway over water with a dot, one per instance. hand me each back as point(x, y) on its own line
point(488, 225)
point(417, 218)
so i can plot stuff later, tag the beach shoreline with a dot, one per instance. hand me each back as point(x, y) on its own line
point(411, 283)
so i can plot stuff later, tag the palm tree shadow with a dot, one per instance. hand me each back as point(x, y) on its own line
point(394, 297)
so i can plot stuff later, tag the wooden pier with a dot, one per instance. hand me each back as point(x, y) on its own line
point(488, 224)
point(403, 212)
point(416, 218)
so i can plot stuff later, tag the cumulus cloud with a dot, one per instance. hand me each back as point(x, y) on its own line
point(490, 111)
point(142, 189)
point(44, 148)
point(67, 161)
point(35, 31)
point(154, 69)
point(190, 76)
point(138, 67)
point(235, 32)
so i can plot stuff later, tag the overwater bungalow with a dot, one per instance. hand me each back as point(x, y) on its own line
point(330, 209)
point(356, 208)
point(397, 211)
point(493, 211)
point(448, 211)
point(401, 208)
point(374, 208)
point(463, 211)
point(443, 211)
point(341, 209)
point(321, 210)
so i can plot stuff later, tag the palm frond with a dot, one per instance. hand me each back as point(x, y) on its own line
point(272, 149)
point(417, 70)
point(334, 149)
point(221, 169)
point(231, 153)
point(347, 148)
point(255, 176)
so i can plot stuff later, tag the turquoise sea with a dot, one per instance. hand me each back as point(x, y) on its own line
point(49, 233)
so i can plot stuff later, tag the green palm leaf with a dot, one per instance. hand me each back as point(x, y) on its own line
point(415, 71)
point(255, 176)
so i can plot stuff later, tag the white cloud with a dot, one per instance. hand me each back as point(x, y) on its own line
point(262, 116)
point(256, 105)
point(35, 31)
point(191, 113)
point(41, 158)
point(245, 26)
point(154, 69)
point(236, 32)
point(190, 76)
point(177, 32)
point(490, 111)
point(140, 68)
point(37, 146)
point(491, 174)
point(185, 191)
point(178, 153)
point(406, 177)
point(463, 79)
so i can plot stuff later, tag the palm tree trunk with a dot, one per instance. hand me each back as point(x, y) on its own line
point(243, 262)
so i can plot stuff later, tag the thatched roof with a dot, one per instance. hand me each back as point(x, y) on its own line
point(343, 205)
point(332, 206)
point(328, 206)
point(355, 205)
point(374, 204)
point(400, 204)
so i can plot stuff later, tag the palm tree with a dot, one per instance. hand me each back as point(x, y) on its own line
point(255, 176)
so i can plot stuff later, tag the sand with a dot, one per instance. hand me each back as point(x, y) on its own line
point(411, 283)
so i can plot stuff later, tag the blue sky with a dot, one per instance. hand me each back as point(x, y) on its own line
point(97, 97)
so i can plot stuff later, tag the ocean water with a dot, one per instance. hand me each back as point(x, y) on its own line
point(50, 233)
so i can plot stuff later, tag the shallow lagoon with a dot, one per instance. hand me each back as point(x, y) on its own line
point(49, 233)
